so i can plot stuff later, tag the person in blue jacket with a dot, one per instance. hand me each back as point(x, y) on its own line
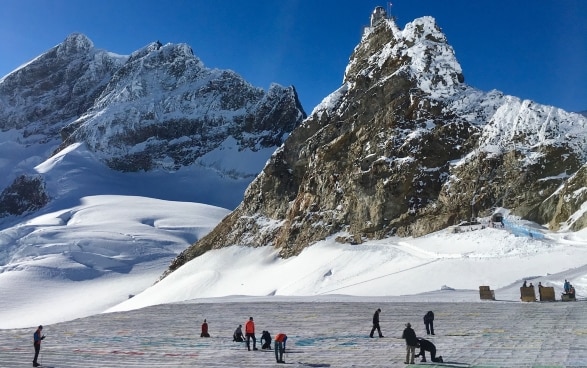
point(37, 337)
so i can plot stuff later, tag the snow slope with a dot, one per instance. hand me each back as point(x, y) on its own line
point(89, 258)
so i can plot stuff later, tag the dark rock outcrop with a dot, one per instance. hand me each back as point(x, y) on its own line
point(25, 194)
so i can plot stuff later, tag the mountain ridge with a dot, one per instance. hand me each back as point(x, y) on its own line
point(159, 108)
point(406, 148)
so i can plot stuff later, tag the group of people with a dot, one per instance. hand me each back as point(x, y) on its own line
point(412, 341)
point(280, 339)
point(569, 289)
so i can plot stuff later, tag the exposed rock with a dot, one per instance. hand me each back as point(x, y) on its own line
point(405, 148)
point(56, 87)
point(165, 109)
point(25, 194)
point(567, 205)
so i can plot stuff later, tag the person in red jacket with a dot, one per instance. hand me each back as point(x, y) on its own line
point(37, 344)
point(250, 334)
point(280, 340)
point(205, 330)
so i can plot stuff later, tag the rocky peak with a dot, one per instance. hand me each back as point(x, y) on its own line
point(420, 52)
point(164, 109)
point(75, 43)
point(55, 87)
point(405, 148)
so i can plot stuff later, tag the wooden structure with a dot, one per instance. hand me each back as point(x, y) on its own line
point(485, 293)
point(527, 294)
point(546, 294)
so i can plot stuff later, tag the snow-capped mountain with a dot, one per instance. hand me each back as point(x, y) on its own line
point(158, 109)
point(405, 147)
point(55, 88)
point(165, 109)
point(112, 165)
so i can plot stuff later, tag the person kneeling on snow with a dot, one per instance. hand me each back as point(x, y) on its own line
point(266, 340)
point(238, 334)
point(425, 346)
point(205, 330)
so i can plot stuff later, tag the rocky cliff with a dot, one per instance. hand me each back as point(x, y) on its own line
point(164, 109)
point(405, 147)
point(159, 108)
point(56, 87)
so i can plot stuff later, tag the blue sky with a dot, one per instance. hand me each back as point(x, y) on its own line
point(533, 49)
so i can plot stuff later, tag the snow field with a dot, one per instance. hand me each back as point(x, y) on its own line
point(321, 334)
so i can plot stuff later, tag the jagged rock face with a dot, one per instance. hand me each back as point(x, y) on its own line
point(25, 194)
point(567, 206)
point(403, 147)
point(164, 109)
point(55, 88)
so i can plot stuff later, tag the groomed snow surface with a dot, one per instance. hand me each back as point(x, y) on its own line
point(320, 334)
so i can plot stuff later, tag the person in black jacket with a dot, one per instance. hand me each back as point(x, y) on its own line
point(411, 342)
point(429, 322)
point(425, 346)
point(376, 323)
point(238, 334)
point(266, 340)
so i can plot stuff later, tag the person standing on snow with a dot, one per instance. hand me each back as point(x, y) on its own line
point(37, 344)
point(250, 334)
point(411, 342)
point(280, 340)
point(429, 322)
point(205, 329)
point(376, 324)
